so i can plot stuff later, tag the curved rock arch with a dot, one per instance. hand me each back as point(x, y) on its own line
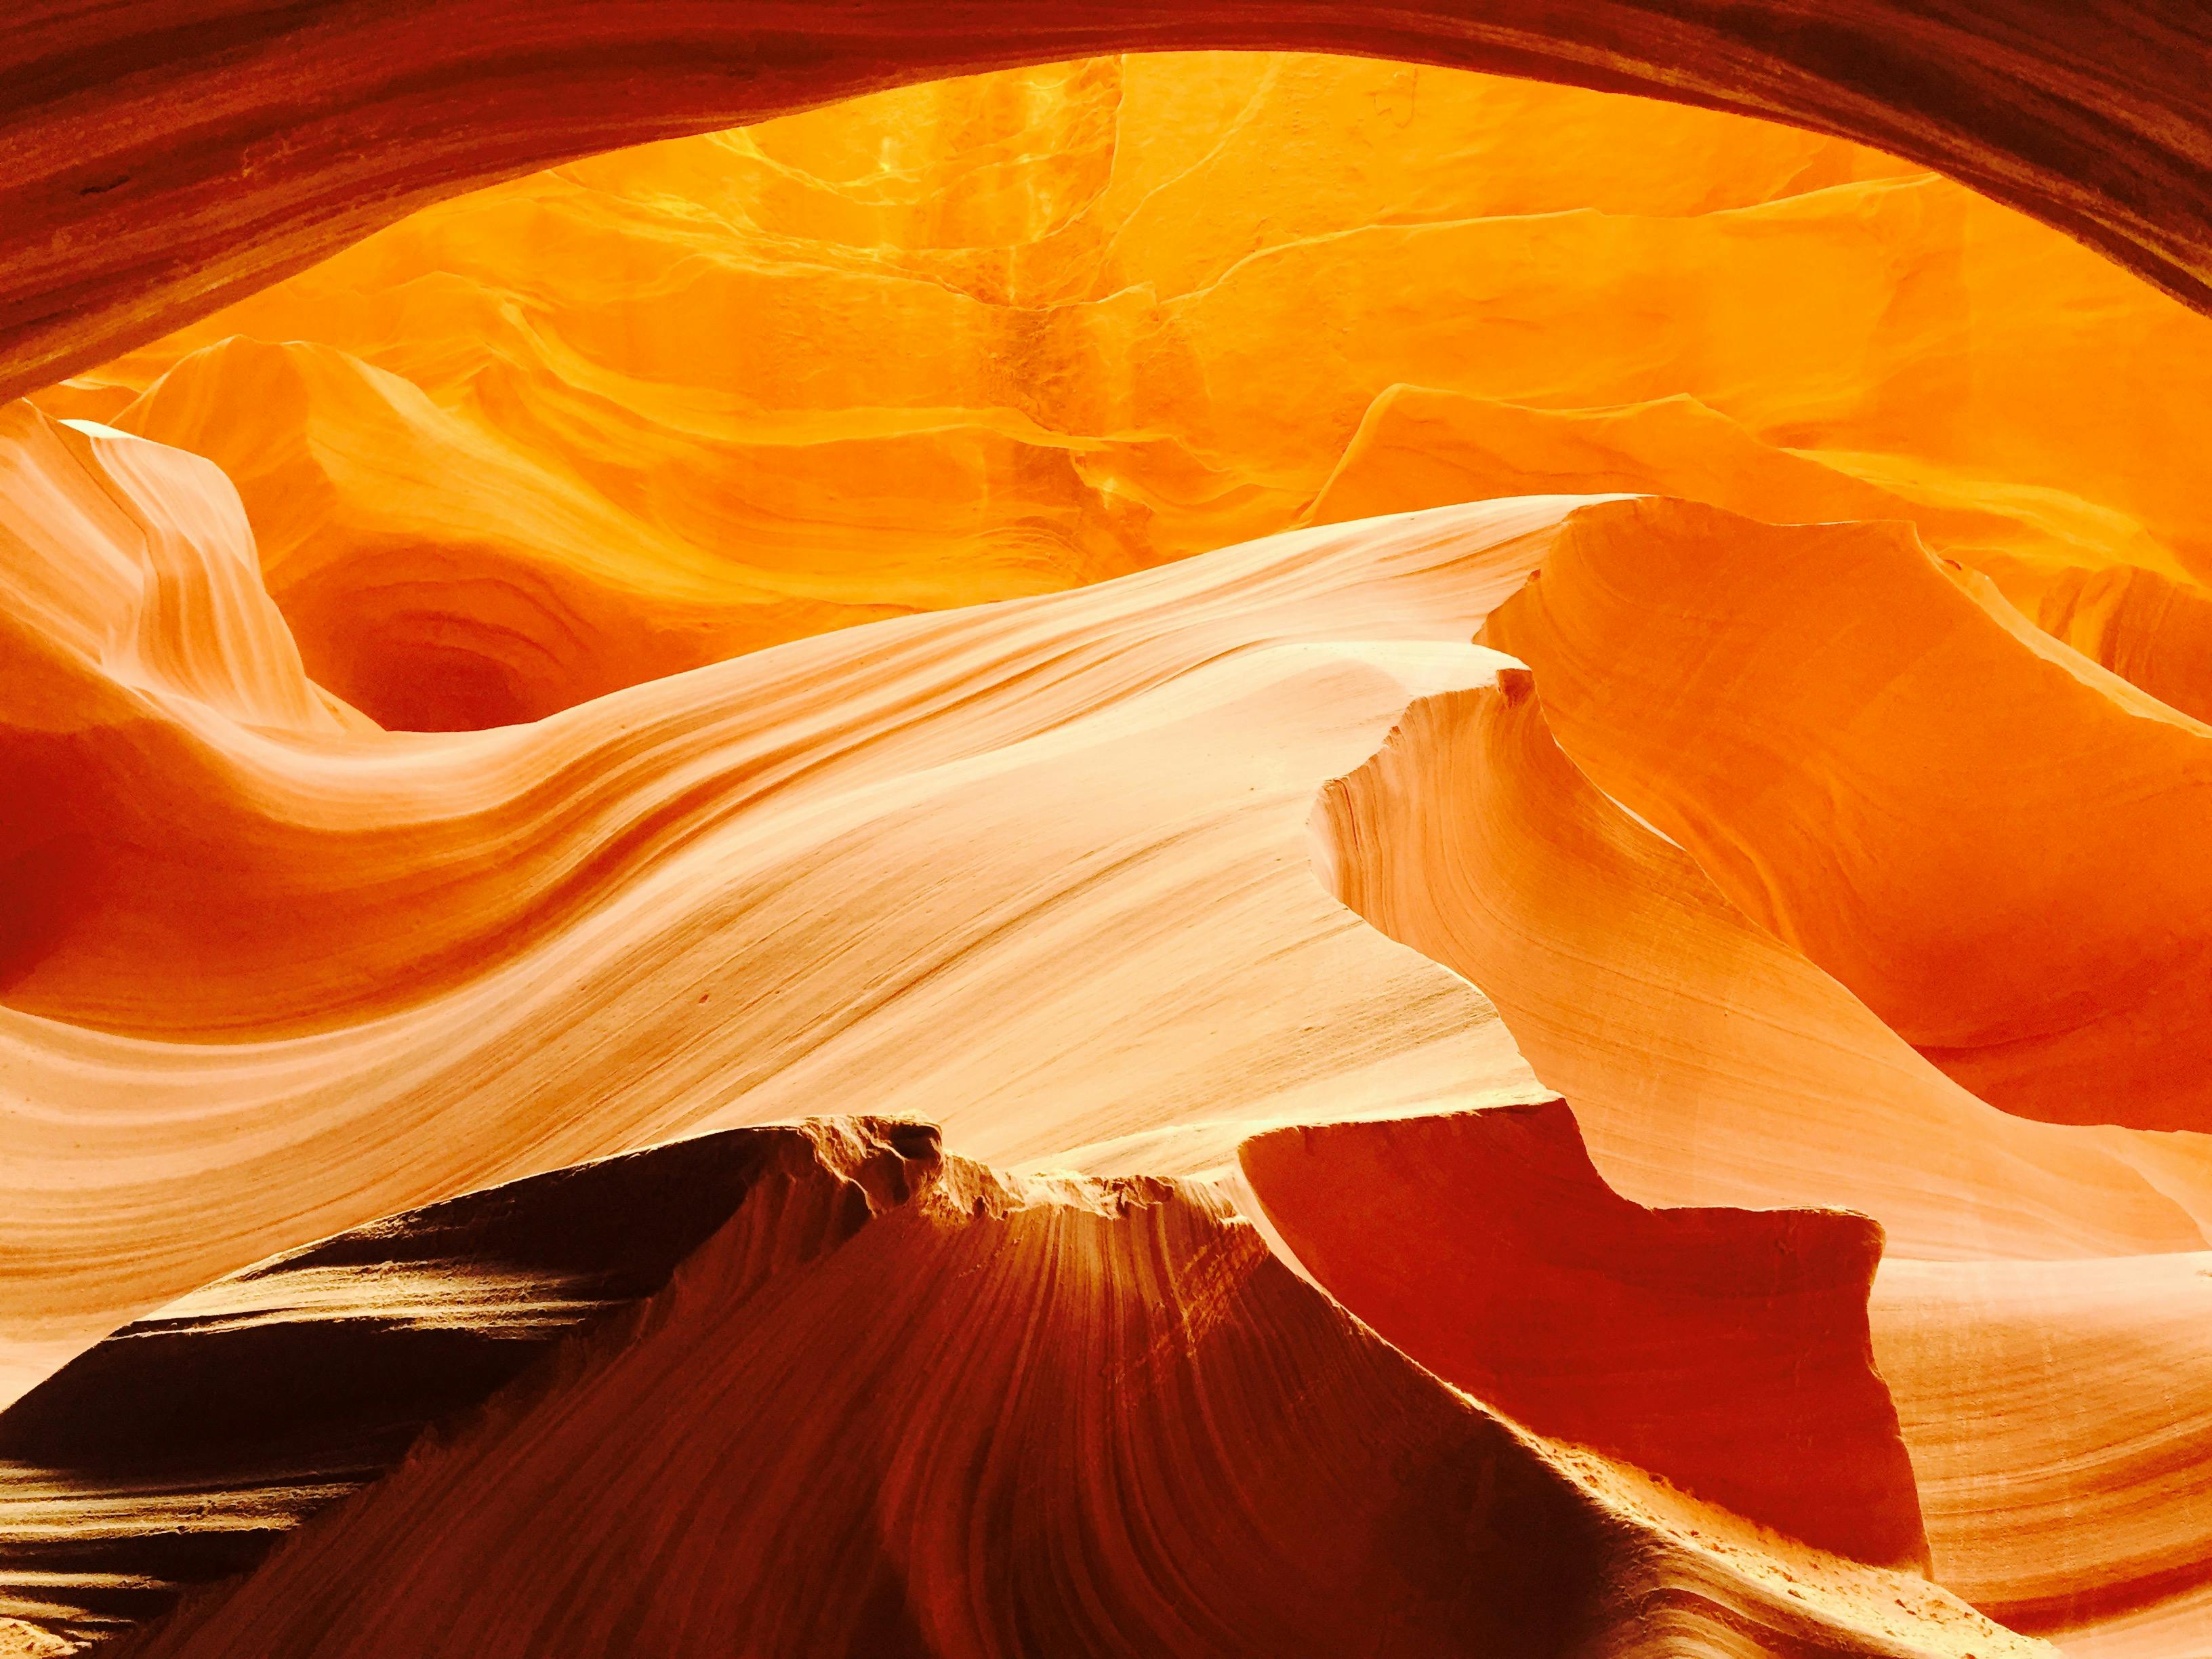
point(161, 159)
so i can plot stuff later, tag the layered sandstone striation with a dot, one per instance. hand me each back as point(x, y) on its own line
point(2033, 1317)
point(169, 157)
point(932, 1410)
point(2017, 893)
point(1005, 335)
point(340, 973)
point(1726, 1351)
point(180, 1450)
point(2151, 631)
point(1536, 988)
point(1709, 1062)
point(983, 868)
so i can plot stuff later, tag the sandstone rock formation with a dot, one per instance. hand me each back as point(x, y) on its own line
point(1726, 1351)
point(1538, 988)
point(168, 157)
point(1066, 811)
point(934, 1411)
point(2034, 1314)
point(1014, 333)
point(373, 939)
point(1785, 704)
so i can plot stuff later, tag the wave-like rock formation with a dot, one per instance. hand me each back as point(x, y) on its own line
point(1017, 332)
point(2152, 631)
point(1419, 447)
point(1709, 1062)
point(2036, 1318)
point(436, 575)
point(1988, 838)
point(1726, 1351)
point(180, 1450)
point(891, 1403)
point(595, 1060)
point(981, 867)
point(2060, 1418)
point(166, 157)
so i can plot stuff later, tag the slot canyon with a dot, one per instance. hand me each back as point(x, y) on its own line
point(1105, 831)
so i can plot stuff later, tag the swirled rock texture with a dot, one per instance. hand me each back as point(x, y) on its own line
point(180, 1450)
point(2015, 890)
point(594, 1058)
point(1724, 1350)
point(166, 157)
point(2152, 631)
point(894, 1404)
point(2060, 1418)
point(1709, 1062)
point(1017, 332)
point(2034, 1315)
point(951, 864)
point(982, 867)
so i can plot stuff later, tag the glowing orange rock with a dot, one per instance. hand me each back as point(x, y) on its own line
point(897, 1404)
point(136, 213)
point(2152, 631)
point(1418, 447)
point(2060, 1418)
point(1005, 335)
point(1724, 1350)
point(1061, 874)
point(2052, 1407)
point(850, 849)
point(1986, 837)
point(1709, 1063)
point(334, 974)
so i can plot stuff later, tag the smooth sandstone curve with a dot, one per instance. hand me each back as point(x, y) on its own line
point(982, 867)
point(2053, 1403)
point(1708, 1062)
point(1023, 330)
point(180, 1450)
point(2154, 632)
point(1989, 839)
point(1725, 1351)
point(2060, 1418)
point(937, 1412)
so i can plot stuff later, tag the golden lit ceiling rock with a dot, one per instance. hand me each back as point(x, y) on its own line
point(1001, 336)
point(164, 158)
